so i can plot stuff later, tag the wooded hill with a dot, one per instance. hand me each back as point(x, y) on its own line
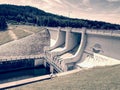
point(30, 15)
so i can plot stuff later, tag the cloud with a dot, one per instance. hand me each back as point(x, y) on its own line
point(113, 0)
point(86, 2)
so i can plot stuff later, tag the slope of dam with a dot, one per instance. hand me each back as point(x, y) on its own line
point(76, 48)
point(30, 45)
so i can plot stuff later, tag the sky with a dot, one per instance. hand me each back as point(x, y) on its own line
point(100, 10)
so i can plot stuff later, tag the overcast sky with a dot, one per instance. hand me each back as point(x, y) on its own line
point(101, 10)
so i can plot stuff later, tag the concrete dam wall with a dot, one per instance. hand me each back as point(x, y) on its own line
point(108, 46)
point(74, 48)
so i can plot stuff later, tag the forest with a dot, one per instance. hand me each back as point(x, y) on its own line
point(32, 16)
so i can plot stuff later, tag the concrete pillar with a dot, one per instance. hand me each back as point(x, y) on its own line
point(80, 50)
point(38, 62)
point(51, 68)
point(45, 63)
point(70, 42)
point(65, 67)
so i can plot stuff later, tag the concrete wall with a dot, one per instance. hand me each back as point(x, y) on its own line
point(20, 64)
point(108, 45)
point(60, 39)
point(53, 33)
point(16, 64)
point(70, 42)
point(80, 50)
point(70, 62)
point(102, 42)
point(38, 62)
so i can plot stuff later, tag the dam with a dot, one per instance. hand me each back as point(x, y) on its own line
point(73, 48)
point(66, 49)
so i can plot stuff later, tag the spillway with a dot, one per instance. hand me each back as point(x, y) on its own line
point(76, 48)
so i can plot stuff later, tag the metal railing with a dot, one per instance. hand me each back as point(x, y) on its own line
point(9, 58)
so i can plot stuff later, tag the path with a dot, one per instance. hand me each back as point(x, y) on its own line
point(12, 34)
point(25, 81)
point(27, 31)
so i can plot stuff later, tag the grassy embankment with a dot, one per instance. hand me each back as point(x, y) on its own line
point(20, 31)
point(4, 37)
point(33, 29)
point(104, 78)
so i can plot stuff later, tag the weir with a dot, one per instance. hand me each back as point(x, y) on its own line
point(83, 48)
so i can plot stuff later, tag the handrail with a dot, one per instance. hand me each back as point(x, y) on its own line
point(8, 58)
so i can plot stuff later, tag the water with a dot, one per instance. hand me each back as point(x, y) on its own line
point(23, 74)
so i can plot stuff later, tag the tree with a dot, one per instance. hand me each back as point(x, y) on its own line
point(3, 24)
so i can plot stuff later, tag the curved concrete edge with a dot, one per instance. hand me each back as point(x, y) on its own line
point(60, 40)
point(79, 52)
point(75, 58)
point(71, 42)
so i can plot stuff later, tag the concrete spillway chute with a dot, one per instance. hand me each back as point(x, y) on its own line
point(84, 48)
point(70, 43)
point(74, 58)
point(59, 41)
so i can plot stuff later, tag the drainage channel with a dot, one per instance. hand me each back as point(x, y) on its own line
point(21, 74)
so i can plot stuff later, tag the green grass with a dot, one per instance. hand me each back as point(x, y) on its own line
point(4, 37)
point(105, 78)
point(20, 33)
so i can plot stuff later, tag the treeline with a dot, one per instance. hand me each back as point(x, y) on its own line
point(3, 24)
point(30, 15)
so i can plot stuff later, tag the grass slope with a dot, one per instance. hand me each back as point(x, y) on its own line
point(30, 41)
point(4, 37)
point(34, 29)
point(20, 31)
point(105, 78)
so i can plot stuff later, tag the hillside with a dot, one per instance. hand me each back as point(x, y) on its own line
point(104, 78)
point(30, 15)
